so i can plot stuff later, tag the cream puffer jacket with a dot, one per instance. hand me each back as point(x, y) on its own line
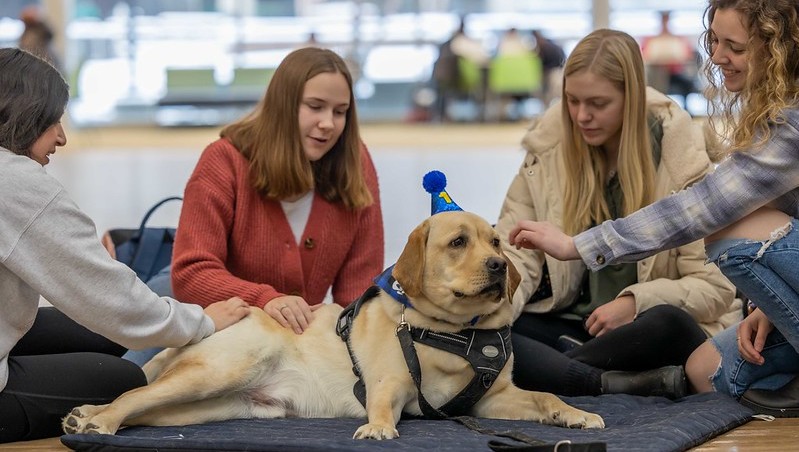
point(677, 277)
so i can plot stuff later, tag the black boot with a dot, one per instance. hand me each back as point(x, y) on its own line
point(666, 381)
point(783, 402)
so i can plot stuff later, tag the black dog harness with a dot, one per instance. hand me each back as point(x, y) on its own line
point(487, 351)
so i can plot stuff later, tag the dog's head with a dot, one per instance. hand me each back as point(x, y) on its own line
point(453, 269)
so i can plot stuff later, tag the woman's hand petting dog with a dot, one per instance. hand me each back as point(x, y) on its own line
point(544, 236)
point(291, 312)
point(227, 312)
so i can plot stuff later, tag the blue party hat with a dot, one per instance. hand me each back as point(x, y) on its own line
point(434, 183)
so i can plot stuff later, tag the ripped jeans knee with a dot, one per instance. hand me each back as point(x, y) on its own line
point(735, 375)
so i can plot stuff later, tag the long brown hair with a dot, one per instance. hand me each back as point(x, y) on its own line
point(615, 56)
point(773, 69)
point(269, 137)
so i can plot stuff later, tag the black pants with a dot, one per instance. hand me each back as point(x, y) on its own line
point(661, 336)
point(55, 367)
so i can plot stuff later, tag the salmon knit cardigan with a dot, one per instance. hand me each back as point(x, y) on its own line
point(233, 242)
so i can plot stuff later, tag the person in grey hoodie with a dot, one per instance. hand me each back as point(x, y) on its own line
point(49, 248)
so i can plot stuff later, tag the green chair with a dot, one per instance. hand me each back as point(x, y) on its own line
point(249, 83)
point(515, 75)
point(470, 77)
point(189, 79)
point(514, 78)
point(189, 86)
point(252, 76)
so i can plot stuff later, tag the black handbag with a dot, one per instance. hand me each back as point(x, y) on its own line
point(145, 250)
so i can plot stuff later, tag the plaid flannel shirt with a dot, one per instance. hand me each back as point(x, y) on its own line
point(742, 182)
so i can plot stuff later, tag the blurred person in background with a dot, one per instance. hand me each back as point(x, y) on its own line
point(671, 61)
point(37, 36)
point(552, 59)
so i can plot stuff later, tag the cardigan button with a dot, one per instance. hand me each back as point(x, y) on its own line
point(309, 243)
point(600, 259)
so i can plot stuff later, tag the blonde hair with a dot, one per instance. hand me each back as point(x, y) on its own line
point(269, 137)
point(615, 56)
point(773, 68)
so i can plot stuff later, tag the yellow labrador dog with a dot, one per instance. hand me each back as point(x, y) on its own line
point(454, 278)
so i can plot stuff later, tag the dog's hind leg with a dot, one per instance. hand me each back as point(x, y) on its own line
point(227, 406)
point(153, 368)
point(189, 381)
point(76, 420)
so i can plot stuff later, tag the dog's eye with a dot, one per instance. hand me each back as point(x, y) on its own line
point(457, 243)
point(495, 242)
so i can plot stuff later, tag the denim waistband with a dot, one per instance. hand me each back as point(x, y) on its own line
point(714, 250)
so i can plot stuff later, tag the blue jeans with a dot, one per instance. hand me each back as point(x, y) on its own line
point(160, 284)
point(766, 273)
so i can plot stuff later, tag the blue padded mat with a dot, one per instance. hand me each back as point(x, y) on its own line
point(632, 424)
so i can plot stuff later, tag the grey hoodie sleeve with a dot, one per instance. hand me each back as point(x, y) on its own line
point(59, 255)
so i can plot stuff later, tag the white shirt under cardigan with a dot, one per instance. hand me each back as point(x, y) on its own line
point(49, 247)
point(297, 213)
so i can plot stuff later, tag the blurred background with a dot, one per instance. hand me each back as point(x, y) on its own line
point(440, 84)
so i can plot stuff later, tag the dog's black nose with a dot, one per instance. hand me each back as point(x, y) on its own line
point(496, 265)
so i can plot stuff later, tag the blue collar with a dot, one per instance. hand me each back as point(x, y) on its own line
point(392, 287)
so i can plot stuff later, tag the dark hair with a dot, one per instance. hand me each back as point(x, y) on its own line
point(33, 96)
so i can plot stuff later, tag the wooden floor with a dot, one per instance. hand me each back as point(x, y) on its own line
point(780, 435)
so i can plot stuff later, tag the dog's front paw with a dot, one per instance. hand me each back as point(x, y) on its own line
point(575, 418)
point(376, 431)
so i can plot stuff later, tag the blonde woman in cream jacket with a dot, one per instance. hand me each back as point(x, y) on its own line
point(637, 323)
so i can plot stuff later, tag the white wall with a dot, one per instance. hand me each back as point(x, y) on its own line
point(116, 187)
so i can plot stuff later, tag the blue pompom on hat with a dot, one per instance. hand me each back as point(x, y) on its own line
point(435, 183)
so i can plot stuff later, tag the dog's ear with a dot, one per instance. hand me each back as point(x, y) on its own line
point(409, 269)
point(514, 278)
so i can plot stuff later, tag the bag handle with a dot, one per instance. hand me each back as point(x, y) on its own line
point(152, 211)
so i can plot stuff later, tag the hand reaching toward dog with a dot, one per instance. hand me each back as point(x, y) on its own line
point(227, 312)
point(544, 236)
point(292, 312)
point(752, 333)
